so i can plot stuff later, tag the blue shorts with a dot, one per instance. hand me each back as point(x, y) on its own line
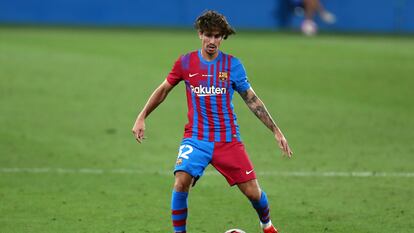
point(229, 158)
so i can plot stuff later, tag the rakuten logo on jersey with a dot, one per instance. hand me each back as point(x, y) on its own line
point(208, 91)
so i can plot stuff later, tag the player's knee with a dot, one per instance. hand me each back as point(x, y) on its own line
point(251, 190)
point(182, 182)
point(253, 195)
point(181, 186)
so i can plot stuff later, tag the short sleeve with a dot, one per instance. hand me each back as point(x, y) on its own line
point(176, 74)
point(239, 76)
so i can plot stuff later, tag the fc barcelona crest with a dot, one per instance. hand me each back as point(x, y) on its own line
point(223, 76)
point(179, 161)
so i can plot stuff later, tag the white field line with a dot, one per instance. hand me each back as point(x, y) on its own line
point(208, 173)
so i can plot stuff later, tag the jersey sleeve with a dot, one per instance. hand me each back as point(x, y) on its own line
point(176, 74)
point(239, 76)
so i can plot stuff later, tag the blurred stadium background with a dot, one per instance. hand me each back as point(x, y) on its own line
point(74, 74)
point(390, 16)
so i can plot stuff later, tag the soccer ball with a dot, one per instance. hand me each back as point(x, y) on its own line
point(309, 28)
point(235, 231)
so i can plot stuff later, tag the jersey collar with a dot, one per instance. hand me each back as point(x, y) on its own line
point(209, 62)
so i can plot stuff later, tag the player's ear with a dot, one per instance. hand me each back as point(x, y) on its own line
point(200, 35)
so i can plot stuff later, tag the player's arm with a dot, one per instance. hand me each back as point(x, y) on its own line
point(259, 109)
point(154, 100)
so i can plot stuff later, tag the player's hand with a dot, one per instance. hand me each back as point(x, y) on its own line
point(138, 130)
point(283, 145)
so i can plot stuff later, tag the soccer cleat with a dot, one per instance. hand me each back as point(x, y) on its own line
point(328, 17)
point(270, 229)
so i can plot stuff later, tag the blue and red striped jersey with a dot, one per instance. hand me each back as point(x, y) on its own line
point(209, 87)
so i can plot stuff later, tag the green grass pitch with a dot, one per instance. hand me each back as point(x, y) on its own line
point(69, 97)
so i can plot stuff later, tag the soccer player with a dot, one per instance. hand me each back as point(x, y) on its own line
point(212, 134)
point(312, 7)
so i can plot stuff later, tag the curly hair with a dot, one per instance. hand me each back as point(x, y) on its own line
point(212, 20)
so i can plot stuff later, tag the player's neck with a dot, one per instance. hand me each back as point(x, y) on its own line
point(209, 57)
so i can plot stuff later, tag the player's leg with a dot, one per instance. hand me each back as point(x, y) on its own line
point(309, 26)
point(179, 203)
point(251, 189)
point(258, 198)
point(182, 182)
point(193, 158)
point(232, 161)
point(311, 6)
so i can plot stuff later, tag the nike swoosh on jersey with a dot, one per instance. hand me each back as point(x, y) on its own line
point(192, 75)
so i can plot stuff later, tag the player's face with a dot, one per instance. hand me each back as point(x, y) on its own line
point(210, 42)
